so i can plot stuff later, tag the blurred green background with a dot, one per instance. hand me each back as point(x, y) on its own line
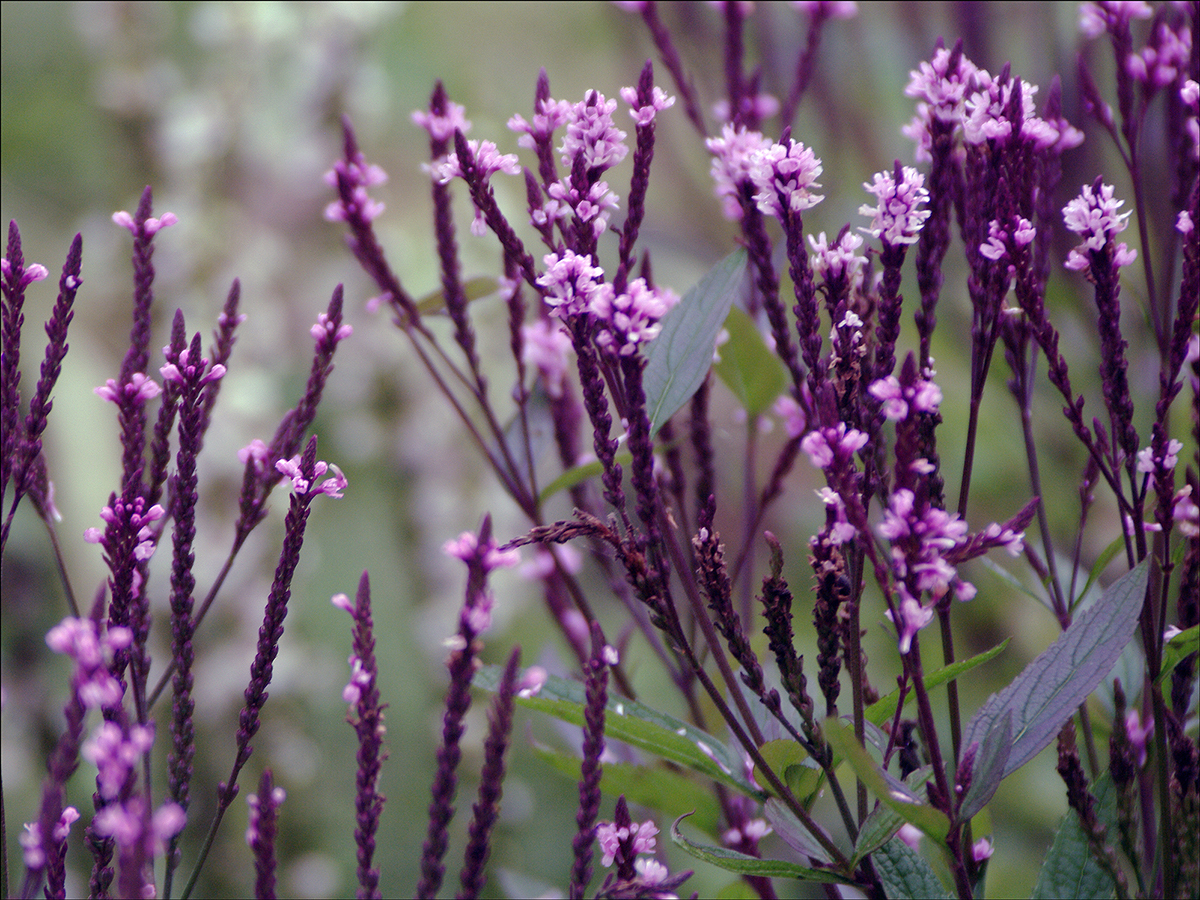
point(231, 111)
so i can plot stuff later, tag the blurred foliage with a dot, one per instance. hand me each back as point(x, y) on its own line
point(231, 111)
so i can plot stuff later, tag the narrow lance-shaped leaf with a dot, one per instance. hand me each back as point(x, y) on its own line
point(1051, 687)
point(637, 725)
point(988, 771)
point(732, 861)
point(882, 710)
point(679, 358)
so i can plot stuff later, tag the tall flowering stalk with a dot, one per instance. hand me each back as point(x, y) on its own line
point(366, 715)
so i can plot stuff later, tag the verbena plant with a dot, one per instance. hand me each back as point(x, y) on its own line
point(614, 383)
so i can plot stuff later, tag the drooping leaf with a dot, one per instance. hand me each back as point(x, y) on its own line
point(578, 474)
point(793, 832)
point(905, 873)
point(882, 823)
point(752, 373)
point(679, 358)
point(892, 792)
point(1051, 687)
point(881, 711)
point(636, 725)
point(732, 861)
point(474, 288)
point(1177, 649)
point(1070, 869)
point(658, 788)
point(793, 765)
point(988, 770)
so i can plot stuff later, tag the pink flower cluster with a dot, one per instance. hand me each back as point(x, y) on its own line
point(139, 388)
point(359, 176)
point(138, 519)
point(609, 836)
point(1094, 216)
point(301, 486)
point(632, 318)
point(897, 218)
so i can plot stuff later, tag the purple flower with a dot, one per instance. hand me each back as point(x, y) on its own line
point(830, 9)
point(547, 347)
point(609, 837)
point(442, 127)
point(1112, 16)
point(822, 445)
point(631, 318)
point(941, 87)
point(592, 134)
point(896, 219)
point(1159, 63)
point(551, 115)
point(183, 371)
point(1094, 216)
point(837, 261)
point(140, 388)
point(356, 175)
point(923, 396)
point(592, 206)
point(78, 639)
point(785, 177)
point(734, 155)
point(486, 158)
point(261, 833)
point(30, 273)
point(138, 519)
point(913, 617)
point(466, 547)
point(326, 330)
point(301, 486)
point(571, 283)
point(644, 115)
point(150, 227)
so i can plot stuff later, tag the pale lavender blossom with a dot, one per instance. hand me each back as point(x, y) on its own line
point(175, 372)
point(357, 175)
point(923, 396)
point(785, 178)
point(733, 161)
point(1186, 513)
point(830, 9)
point(570, 283)
point(1096, 18)
point(593, 206)
point(152, 226)
point(752, 106)
point(551, 115)
point(632, 318)
point(1159, 63)
point(92, 652)
point(466, 545)
point(795, 423)
point(982, 849)
point(644, 115)
point(1094, 216)
point(609, 837)
point(822, 445)
point(592, 134)
point(256, 451)
point(485, 156)
point(840, 528)
point(31, 273)
point(839, 259)
point(442, 127)
point(941, 86)
point(140, 387)
point(301, 486)
point(898, 217)
point(139, 518)
point(531, 681)
point(326, 330)
point(913, 617)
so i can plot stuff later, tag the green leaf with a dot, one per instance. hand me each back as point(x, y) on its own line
point(474, 289)
point(905, 873)
point(659, 788)
point(1051, 687)
point(882, 823)
point(753, 373)
point(636, 725)
point(578, 474)
point(892, 792)
point(1070, 870)
point(1106, 555)
point(679, 358)
point(732, 861)
point(881, 711)
point(791, 763)
point(1177, 649)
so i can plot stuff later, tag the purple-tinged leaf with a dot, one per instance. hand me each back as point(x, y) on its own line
point(1048, 691)
point(988, 770)
point(793, 832)
point(679, 358)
